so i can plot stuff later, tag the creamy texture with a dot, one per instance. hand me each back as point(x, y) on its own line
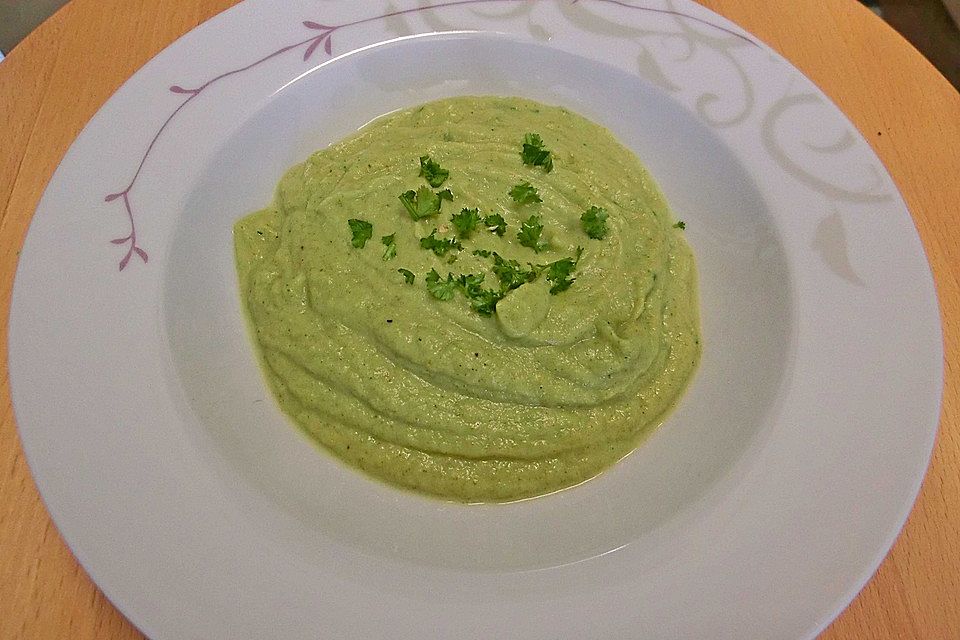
point(429, 394)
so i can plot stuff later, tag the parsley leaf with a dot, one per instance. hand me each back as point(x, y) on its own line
point(594, 222)
point(441, 289)
point(680, 225)
point(361, 230)
point(483, 253)
point(525, 193)
point(423, 202)
point(495, 224)
point(408, 275)
point(558, 274)
point(432, 172)
point(391, 246)
point(469, 282)
point(440, 246)
point(483, 301)
point(534, 154)
point(529, 234)
point(510, 274)
point(466, 221)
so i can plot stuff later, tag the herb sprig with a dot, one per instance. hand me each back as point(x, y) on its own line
point(390, 244)
point(525, 193)
point(466, 221)
point(510, 274)
point(594, 222)
point(432, 172)
point(535, 154)
point(439, 288)
point(439, 246)
point(529, 235)
point(495, 224)
point(559, 272)
point(424, 202)
point(361, 231)
point(408, 276)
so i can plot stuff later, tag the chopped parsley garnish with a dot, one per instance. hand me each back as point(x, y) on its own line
point(408, 275)
point(529, 234)
point(440, 246)
point(469, 282)
point(466, 221)
point(525, 193)
point(495, 224)
point(391, 246)
point(534, 154)
point(423, 202)
point(432, 172)
point(441, 289)
point(483, 301)
point(594, 222)
point(558, 273)
point(510, 274)
point(680, 225)
point(361, 230)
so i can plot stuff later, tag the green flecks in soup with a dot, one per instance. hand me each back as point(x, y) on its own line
point(515, 331)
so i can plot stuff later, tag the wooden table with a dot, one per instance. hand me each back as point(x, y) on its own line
point(53, 82)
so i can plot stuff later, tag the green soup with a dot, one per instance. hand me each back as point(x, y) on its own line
point(542, 393)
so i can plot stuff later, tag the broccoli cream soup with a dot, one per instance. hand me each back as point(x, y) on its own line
point(479, 298)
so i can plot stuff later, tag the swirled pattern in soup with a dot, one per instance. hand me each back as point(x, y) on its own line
point(544, 392)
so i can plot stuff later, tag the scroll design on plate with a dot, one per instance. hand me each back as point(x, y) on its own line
point(693, 40)
point(768, 134)
point(324, 38)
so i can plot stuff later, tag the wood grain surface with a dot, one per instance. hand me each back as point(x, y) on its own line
point(57, 78)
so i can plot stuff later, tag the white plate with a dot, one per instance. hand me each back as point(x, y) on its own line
point(757, 511)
